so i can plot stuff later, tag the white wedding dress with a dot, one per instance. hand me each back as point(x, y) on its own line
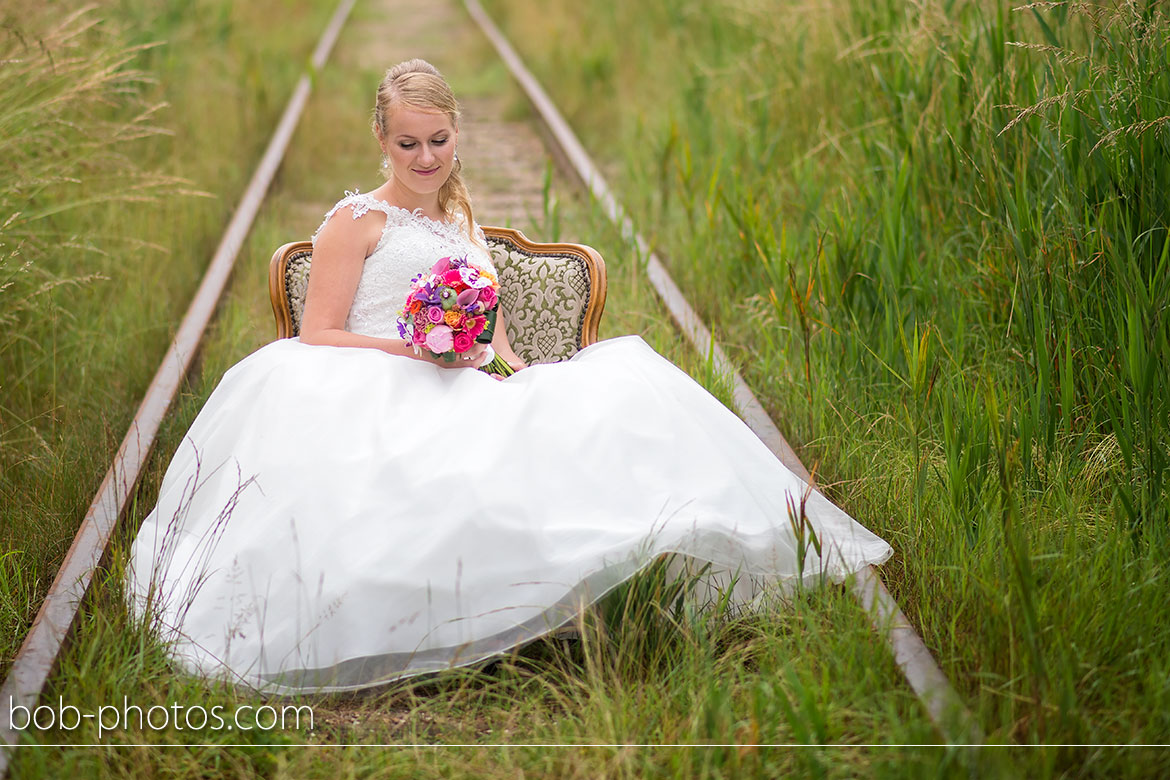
point(339, 517)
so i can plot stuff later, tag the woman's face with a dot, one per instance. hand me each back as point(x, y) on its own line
point(420, 146)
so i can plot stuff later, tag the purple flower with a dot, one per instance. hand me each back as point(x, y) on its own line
point(427, 293)
point(472, 277)
point(467, 297)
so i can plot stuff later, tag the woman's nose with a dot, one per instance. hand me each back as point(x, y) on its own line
point(426, 154)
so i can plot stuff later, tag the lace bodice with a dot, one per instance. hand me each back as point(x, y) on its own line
point(410, 245)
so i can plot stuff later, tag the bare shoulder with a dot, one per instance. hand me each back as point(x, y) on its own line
point(349, 231)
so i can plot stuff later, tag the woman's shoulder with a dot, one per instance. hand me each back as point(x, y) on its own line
point(358, 204)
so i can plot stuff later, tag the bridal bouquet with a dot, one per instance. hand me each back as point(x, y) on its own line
point(451, 308)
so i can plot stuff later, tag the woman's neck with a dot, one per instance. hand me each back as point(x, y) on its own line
point(397, 195)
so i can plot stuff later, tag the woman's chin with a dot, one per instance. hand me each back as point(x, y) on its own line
point(428, 182)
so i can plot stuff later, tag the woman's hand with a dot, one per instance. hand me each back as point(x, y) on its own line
point(478, 355)
point(475, 357)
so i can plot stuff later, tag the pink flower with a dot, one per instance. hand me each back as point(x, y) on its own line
point(488, 297)
point(463, 341)
point(440, 340)
point(418, 337)
point(441, 265)
point(467, 297)
point(476, 326)
point(435, 314)
point(452, 278)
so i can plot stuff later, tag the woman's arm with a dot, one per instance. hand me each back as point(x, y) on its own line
point(338, 257)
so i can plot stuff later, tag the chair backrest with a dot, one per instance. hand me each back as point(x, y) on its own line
point(552, 295)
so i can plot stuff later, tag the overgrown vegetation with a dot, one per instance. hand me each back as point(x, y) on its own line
point(936, 235)
point(124, 146)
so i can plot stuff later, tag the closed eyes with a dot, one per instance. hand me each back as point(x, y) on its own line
point(412, 144)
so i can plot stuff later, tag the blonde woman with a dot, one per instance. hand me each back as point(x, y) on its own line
point(346, 510)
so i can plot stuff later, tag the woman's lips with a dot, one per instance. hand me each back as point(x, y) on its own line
point(427, 172)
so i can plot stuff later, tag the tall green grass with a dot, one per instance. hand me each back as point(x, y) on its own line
point(919, 299)
point(127, 131)
point(650, 669)
point(935, 236)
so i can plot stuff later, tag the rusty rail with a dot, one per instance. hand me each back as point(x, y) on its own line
point(945, 707)
point(51, 626)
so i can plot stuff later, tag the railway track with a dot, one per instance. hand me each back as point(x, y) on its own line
point(946, 709)
point(51, 628)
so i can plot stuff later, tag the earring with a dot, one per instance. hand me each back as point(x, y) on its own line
point(456, 158)
point(385, 162)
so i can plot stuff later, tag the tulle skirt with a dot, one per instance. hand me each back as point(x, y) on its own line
point(337, 518)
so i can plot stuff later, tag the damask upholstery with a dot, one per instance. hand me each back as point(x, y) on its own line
point(552, 295)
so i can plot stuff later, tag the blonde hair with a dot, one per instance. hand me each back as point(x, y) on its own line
point(418, 84)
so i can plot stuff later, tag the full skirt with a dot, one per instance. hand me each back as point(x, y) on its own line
point(337, 518)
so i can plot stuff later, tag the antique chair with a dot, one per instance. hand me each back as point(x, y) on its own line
point(552, 294)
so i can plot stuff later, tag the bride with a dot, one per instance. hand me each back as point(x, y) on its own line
point(346, 511)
